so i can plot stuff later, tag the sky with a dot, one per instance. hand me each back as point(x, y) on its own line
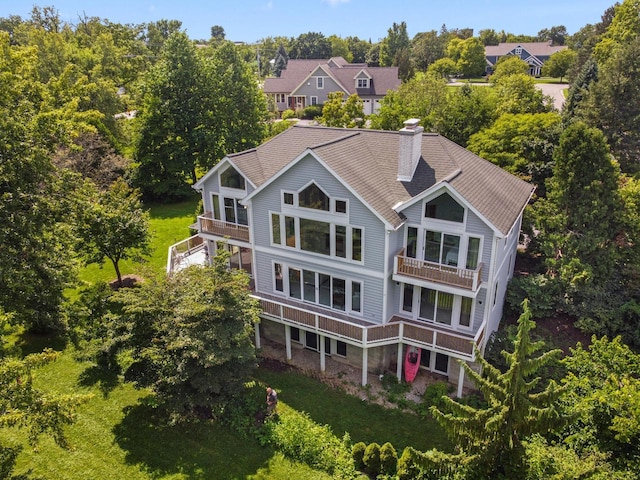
point(250, 20)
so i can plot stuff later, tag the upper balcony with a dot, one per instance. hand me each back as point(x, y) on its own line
point(437, 273)
point(208, 224)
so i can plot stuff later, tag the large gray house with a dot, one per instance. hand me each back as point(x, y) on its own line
point(363, 243)
point(535, 54)
point(308, 82)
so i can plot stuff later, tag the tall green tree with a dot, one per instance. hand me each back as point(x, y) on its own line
point(522, 144)
point(190, 337)
point(310, 45)
point(235, 108)
point(197, 107)
point(421, 97)
point(36, 258)
point(557, 35)
point(583, 193)
point(113, 225)
point(559, 64)
point(468, 55)
point(392, 46)
point(518, 94)
point(426, 48)
point(469, 110)
point(613, 104)
point(518, 407)
point(172, 132)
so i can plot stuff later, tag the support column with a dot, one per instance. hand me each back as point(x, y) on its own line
point(365, 363)
point(256, 331)
point(323, 365)
point(287, 340)
point(460, 382)
point(400, 362)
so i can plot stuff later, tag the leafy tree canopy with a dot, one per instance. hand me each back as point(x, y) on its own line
point(189, 336)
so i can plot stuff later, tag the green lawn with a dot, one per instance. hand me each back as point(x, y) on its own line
point(117, 436)
point(365, 422)
point(169, 224)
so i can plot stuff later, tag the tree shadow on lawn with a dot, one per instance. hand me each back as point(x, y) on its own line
point(196, 450)
point(95, 375)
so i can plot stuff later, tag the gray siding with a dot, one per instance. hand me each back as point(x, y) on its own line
point(311, 90)
point(369, 273)
point(476, 227)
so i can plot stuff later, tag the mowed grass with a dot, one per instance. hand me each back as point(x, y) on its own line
point(365, 422)
point(117, 434)
point(169, 224)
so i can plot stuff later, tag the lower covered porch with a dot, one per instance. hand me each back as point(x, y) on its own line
point(372, 349)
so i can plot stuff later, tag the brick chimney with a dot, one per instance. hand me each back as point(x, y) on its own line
point(410, 149)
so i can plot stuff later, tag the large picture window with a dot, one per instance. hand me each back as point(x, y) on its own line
point(315, 236)
point(319, 288)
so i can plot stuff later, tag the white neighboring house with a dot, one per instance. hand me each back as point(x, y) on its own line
point(308, 82)
point(363, 243)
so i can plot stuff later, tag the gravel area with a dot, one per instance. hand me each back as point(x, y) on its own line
point(340, 375)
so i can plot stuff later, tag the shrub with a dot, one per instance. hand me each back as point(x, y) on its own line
point(357, 453)
point(299, 112)
point(546, 291)
point(245, 411)
point(312, 111)
point(287, 114)
point(433, 395)
point(301, 439)
point(371, 459)
point(388, 459)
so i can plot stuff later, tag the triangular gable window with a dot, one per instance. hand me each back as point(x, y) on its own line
point(446, 208)
point(230, 178)
point(314, 197)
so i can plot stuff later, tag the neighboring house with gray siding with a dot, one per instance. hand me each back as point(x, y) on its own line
point(308, 82)
point(363, 243)
point(535, 54)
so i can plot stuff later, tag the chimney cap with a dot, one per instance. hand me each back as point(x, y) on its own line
point(411, 124)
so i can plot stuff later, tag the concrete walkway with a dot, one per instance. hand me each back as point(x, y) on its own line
point(555, 91)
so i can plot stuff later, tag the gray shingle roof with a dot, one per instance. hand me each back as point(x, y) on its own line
point(367, 161)
point(382, 78)
point(534, 48)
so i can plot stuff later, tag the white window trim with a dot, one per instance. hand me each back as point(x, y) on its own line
point(456, 310)
point(365, 80)
point(312, 211)
point(463, 248)
point(348, 292)
point(228, 191)
point(320, 83)
point(313, 100)
point(332, 232)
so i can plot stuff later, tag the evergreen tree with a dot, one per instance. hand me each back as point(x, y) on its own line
point(518, 407)
point(280, 62)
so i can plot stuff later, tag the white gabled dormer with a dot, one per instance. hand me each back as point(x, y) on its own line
point(410, 143)
point(362, 80)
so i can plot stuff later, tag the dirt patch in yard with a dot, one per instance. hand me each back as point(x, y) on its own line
point(128, 281)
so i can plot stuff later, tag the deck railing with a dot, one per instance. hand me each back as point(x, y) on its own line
point(208, 224)
point(370, 335)
point(179, 252)
point(438, 273)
